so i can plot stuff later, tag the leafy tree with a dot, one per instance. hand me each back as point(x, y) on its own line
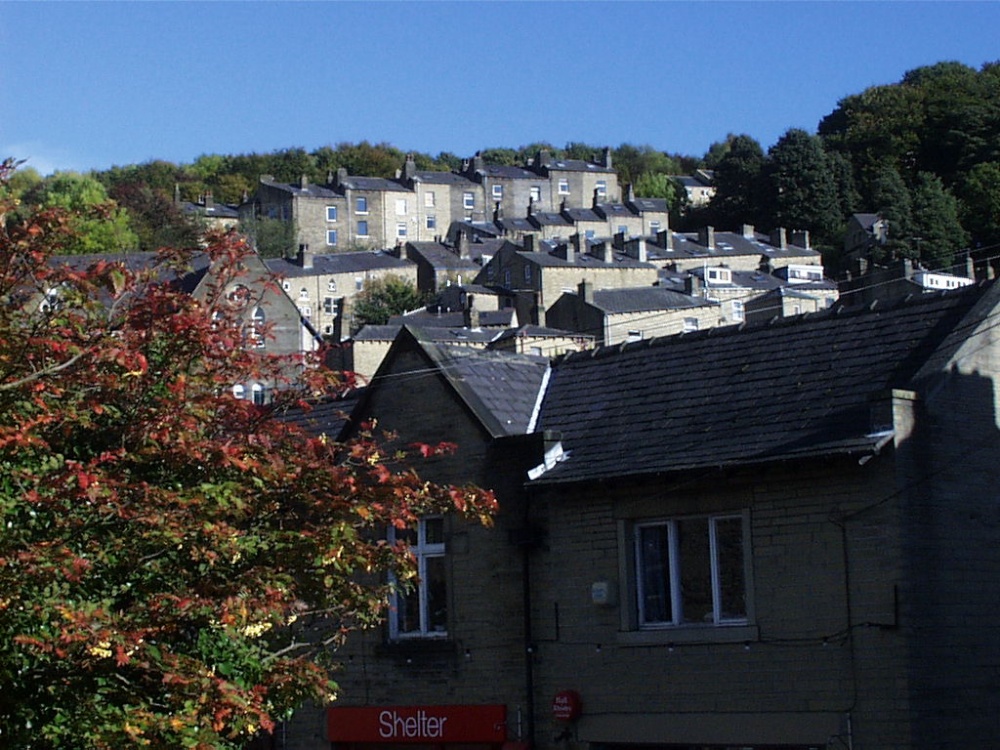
point(938, 233)
point(980, 194)
point(177, 566)
point(738, 195)
point(801, 193)
point(271, 238)
point(631, 162)
point(384, 297)
point(891, 199)
point(658, 185)
point(99, 225)
point(155, 219)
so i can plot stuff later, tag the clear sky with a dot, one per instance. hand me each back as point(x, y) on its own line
point(89, 85)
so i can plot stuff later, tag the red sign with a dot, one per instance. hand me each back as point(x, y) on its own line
point(566, 706)
point(417, 724)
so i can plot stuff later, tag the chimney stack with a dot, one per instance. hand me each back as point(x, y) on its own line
point(471, 314)
point(706, 237)
point(305, 257)
point(665, 239)
point(800, 238)
point(463, 245)
point(585, 291)
point(779, 239)
point(748, 232)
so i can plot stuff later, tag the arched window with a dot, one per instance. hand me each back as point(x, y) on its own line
point(255, 329)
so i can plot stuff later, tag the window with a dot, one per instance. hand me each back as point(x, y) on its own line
point(506, 278)
point(286, 285)
point(738, 312)
point(564, 187)
point(239, 391)
point(361, 205)
point(691, 571)
point(331, 213)
point(589, 234)
point(362, 229)
point(469, 200)
point(432, 222)
point(536, 194)
point(720, 275)
point(255, 328)
point(690, 324)
point(259, 394)
point(602, 189)
point(304, 294)
point(422, 610)
point(331, 285)
point(634, 335)
point(498, 191)
point(331, 237)
point(429, 199)
point(307, 312)
point(359, 283)
point(401, 229)
point(328, 305)
point(401, 207)
point(654, 227)
point(623, 230)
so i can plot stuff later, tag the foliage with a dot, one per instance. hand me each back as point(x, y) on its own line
point(738, 184)
point(271, 238)
point(631, 162)
point(980, 193)
point(177, 566)
point(800, 190)
point(891, 199)
point(658, 185)
point(156, 219)
point(938, 233)
point(99, 225)
point(384, 297)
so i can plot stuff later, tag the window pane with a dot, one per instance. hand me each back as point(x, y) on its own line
point(437, 596)
point(654, 574)
point(695, 571)
point(729, 555)
point(434, 531)
point(408, 616)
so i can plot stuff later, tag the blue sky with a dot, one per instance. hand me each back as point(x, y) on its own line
point(88, 85)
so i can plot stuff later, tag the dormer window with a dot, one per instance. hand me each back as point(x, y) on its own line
point(719, 276)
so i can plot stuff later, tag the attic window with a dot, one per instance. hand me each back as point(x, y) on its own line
point(720, 275)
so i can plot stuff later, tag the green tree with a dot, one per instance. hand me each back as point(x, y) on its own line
point(155, 219)
point(384, 297)
point(658, 185)
point(980, 209)
point(891, 199)
point(99, 225)
point(739, 193)
point(271, 238)
point(801, 193)
point(938, 234)
point(631, 162)
point(177, 566)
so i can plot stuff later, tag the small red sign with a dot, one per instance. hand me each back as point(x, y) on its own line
point(417, 724)
point(567, 705)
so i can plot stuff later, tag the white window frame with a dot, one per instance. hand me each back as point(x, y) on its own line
point(401, 207)
point(429, 199)
point(719, 275)
point(535, 192)
point(602, 189)
point(401, 229)
point(690, 325)
point(563, 186)
point(739, 310)
point(255, 328)
point(497, 191)
point(432, 222)
point(363, 228)
point(331, 213)
point(426, 553)
point(469, 201)
point(361, 205)
point(673, 588)
point(331, 237)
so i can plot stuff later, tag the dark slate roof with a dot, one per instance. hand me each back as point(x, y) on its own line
point(186, 280)
point(612, 210)
point(442, 257)
point(371, 332)
point(219, 210)
point(582, 260)
point(505, 172)
point(583, 214)
point(372, 183)
point(576, 165)
point(427, 319)
point(310, 190)
point(327, 417)
point(640, 299)
point(727, 245)
point(797, 388)
point(549, 219)
point(501, 388)
point(332, 263)
point(641, 205)
point(443, 178)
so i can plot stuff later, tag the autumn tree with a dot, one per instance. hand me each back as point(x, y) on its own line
point(177, 566)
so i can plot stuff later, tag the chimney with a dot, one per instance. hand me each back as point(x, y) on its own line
point(463, 245)
point(748, 232)
point(618, 241)
point(303, 181)
point(607, 157)
point(630, 193)
point(637, 249)
point(779, 238)
point(471, 314)
point(706, 237)
point(577, 244)
point(305, 257)
point(970, 269)
point(604, 252)
point(665, 239)
point(497, 212)
point(529, 243)
point(595, 201)
point(585, 291)
point(209, 200)
point(544, 158)
point(409, 168)
point(341, 177)
point(692, 285)
point(800, 238)
point(478, 163)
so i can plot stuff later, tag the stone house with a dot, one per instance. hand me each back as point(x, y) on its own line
point(613, 316)
point(323, 286)
point(775, 536)
point(535, 275)
point(761, 537)
point(746, 250)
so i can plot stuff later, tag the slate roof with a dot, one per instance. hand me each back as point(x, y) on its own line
point(310, 190)
point(327, 264)
point(428, 319)
point(373, 183)
point(576, 165)
point(646, 298)
point(505, 172)
point(442, 257)
point(728, 245)
point(327, 417)
point(443, 178)
point(500, 388)
point(744, 395)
